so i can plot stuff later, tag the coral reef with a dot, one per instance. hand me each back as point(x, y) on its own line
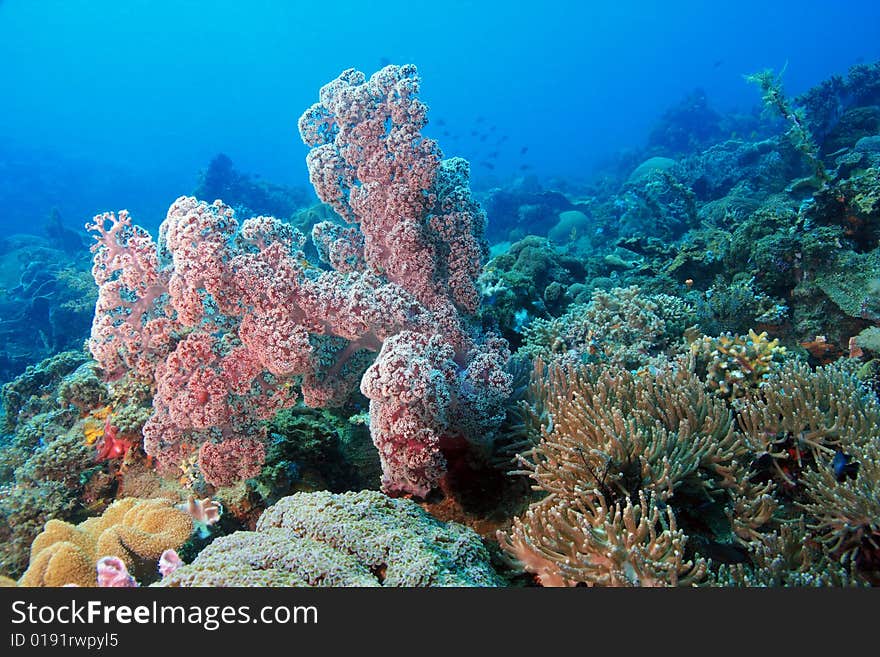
point(225, 319)
point(775, 100)
point(655, 203)
point(532, 279)
point(135, 531)
point(350, 539)
point(28, 394)
point(622, 326)
point(47, 299)
point(318, 448)
point(615, 450)
point(828, 107)
point(47, 465)
point(646, 385)
point(524, 208)
point(653, 480)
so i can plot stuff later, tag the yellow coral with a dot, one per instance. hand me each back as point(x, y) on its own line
point(60, 564)
point(136, 531)
point(93, 425)
point(735, 363)
point(146, 529)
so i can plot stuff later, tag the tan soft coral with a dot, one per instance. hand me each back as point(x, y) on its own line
point(615, 449)
point(586, 540)
point(652, 479)
point(136, 531)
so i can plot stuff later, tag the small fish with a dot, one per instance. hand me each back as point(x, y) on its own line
point(843, 466)
point(488, 165)
point(523, 150)
point(383, 62)
point(503, 139)
point(483, 137)
point(446, 133)
point(493, 128)
point(523, 167)
point(474, 133)
point(480, 119)
point(440, 122)
point(493, 155)
point(718, 63)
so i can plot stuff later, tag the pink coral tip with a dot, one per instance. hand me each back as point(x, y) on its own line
point(112, 572)
point(169, 562)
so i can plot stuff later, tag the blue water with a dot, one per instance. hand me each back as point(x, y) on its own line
point(109, 104)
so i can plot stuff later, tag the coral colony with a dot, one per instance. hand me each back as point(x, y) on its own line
point(381, 404)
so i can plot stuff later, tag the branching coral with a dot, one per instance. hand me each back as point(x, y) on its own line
point(621, 432)
point(735, 363)
point(846, 510)
point(586, 540)
point(787, 557)
point(801, 417)
point(652, 479)
point(615, 449)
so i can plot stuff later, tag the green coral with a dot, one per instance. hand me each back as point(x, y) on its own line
point(736, 306)
point(533, 279)
point(700, 255)
point(131, 401)
point(321, 446)
point(45, 463)
point(83, 388)
point(621, 326)
point(735, 363)
point(29, 393)
point(657, 204)
point(349, 539)
point(853, 283)
point(775, 100)
point(46, 468)
point(862, 192)
point(24, 511)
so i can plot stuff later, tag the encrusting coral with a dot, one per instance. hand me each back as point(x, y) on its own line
point(348, 539)
point(136, 531)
